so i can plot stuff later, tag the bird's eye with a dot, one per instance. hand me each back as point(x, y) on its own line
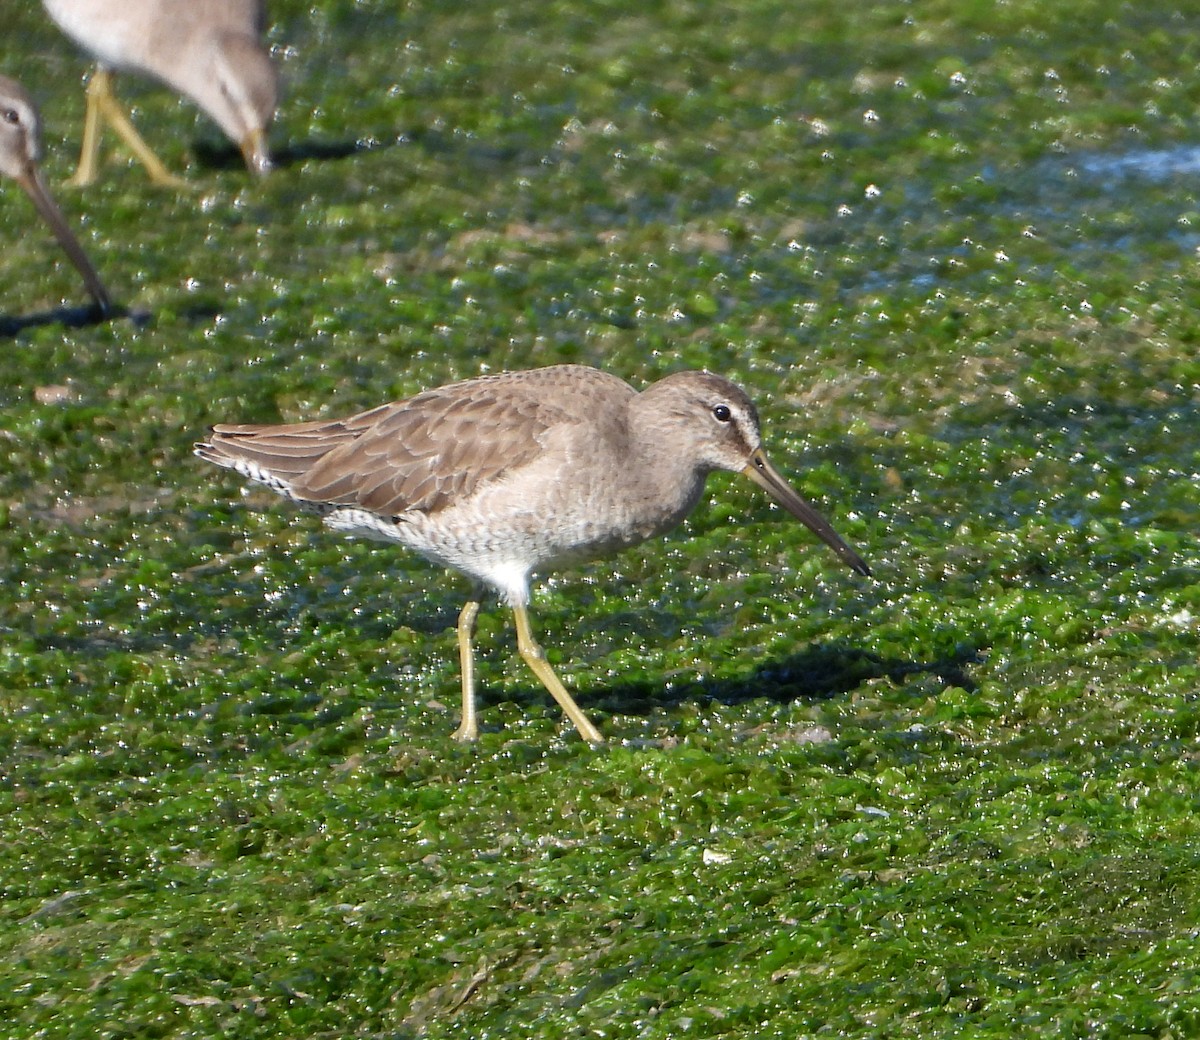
point(11, 115)
point(722, 413)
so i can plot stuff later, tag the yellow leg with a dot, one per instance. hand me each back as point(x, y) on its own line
point(535, 657)
point(85, 171)
point(468, 728)
point(102, 105)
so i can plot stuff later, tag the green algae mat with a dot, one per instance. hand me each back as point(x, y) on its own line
point(953, 251)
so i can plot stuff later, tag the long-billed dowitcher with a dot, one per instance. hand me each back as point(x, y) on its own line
point(504, 475)
point(207, 50)
point(20, 152)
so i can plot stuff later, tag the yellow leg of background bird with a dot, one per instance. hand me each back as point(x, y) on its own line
point(89, 150)
point(535, 657)
point(109, 108)
point(468, 728)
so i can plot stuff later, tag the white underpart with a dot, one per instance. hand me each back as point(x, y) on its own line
point(97, 31)
point(508, 574)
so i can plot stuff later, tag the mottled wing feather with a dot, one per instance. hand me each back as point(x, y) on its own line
point(430, 451)
point(284, 450)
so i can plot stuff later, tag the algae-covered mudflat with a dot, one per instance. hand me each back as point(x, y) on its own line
point(952, 249)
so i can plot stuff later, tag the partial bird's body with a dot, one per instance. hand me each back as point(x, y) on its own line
point(20, 153)
point(210, 51)
point(505, 475)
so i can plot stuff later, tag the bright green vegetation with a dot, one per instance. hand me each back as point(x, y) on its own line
point(958, 800)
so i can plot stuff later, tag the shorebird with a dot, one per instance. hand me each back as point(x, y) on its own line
point(208, 50)
point(20, 152)
point(504, 475)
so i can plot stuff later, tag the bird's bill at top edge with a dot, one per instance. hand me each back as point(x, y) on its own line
point(255, 152)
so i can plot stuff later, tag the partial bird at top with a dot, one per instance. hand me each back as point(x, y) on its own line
point(20, 152)
point(208, 50)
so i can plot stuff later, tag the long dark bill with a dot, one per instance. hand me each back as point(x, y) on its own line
point(767, 477)
point(31, 181)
